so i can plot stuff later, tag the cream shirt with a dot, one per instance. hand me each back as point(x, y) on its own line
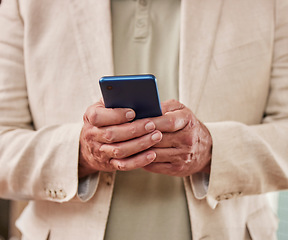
point(146, 40)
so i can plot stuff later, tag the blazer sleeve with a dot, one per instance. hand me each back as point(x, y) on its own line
point(35, 164)
point(249, 160)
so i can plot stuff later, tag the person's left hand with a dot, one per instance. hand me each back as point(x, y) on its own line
point(186, 145)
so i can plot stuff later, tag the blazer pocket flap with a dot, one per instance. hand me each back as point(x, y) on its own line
point(31, 226)
point(262, 224)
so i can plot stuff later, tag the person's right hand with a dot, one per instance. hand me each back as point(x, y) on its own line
point(110, 142)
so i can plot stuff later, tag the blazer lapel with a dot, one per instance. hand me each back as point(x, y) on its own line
point(92, 30)
point(199, 24)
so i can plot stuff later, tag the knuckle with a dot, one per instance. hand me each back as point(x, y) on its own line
point(87, 138)
point(182, 106)
point(87, 114)
point(108, 136)
point(121, 166)
point(101, 152)
point(117, 152)
point(85, 118)
point(91, 115)
point(184, 158)
point(193, 156)
point(190, 123)
point(188, 158)
point(132, 129)
point(171, 123)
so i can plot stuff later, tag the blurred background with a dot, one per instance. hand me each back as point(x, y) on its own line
point(282, 213)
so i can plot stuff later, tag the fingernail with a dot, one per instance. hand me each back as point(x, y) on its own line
point(130, 115)
point(151, 156)
point(156, 136)
point(150, 126)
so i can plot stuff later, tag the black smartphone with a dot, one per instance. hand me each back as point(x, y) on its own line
point(138, 92)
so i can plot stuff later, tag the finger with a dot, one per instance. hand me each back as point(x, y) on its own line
point(171, 155)
point(169, 169)
point(180, 158)
point(123, 132)
point(186, 137)
point(171, 105)
point(169, 140)
point(98, 115)
point(137, 161)
point(129, 148)
point(172, 121)
point(161, 168)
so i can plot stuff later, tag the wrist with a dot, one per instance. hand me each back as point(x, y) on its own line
point(83, 168)
point(207, 168)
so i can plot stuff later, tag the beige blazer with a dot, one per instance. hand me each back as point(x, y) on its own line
point(233, 75)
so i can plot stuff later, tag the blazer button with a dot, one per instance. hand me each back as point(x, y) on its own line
point(48, 192)
point(61, 194)
point(53, 194)
point(228, 196)
point(218, 198)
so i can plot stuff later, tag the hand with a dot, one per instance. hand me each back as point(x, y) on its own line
point(110, 142)
point(186, 145)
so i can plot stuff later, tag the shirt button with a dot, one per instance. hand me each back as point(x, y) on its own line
point(143, 3)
